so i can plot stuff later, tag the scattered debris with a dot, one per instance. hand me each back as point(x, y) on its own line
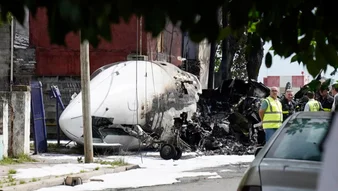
point(225, 122)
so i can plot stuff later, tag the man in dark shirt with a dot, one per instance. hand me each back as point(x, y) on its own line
point(325, 99)
point(288, 104)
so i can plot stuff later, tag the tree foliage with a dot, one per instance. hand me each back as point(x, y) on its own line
point(5, 19)
point(303, 28)
point(238, 67)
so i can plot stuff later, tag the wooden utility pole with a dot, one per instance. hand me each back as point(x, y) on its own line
point(86, 111)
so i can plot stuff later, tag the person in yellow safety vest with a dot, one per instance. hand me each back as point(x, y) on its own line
point(312, 105)
point(271, 113)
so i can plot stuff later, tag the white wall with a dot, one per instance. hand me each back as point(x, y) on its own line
point(204, 58)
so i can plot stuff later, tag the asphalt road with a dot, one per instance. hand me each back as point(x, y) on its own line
point(231, 176)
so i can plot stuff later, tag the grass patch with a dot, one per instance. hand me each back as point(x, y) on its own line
point(10, 178)
point(117, 162)
point(34, 180)
point(22, 158)
point(97, 168)
point(22, 182)
point(12, 171)
point(12, 184)
point(82, 171)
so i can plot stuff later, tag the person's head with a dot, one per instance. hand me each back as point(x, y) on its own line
point(274, 92)
point(289, 94)
point(310, 94)
point(324, 91)
point(334, 89)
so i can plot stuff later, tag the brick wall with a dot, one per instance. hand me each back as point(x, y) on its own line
point(53, 60)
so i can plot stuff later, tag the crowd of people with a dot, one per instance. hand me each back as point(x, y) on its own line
point(274, 111)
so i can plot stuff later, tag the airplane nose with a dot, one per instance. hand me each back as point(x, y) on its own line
point(70, 120)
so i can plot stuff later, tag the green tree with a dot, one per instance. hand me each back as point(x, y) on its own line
point(4, 19)
point(238, 64)
point(305, 30)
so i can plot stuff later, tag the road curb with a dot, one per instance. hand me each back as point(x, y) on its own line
point(57, 181)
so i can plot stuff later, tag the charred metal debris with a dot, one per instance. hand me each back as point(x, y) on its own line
point(226, 122)
point(227, 119)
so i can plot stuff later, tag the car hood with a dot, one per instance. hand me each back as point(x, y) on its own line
point(289, 175)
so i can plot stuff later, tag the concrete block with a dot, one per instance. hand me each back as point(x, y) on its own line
point(73, 180)
point(20, 130)
point(3, 128)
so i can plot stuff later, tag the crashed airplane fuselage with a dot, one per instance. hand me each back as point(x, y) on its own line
point(138, 98)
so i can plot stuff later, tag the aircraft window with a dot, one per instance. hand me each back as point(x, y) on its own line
point(95, 73)
point(98, 71)
point(164, 64)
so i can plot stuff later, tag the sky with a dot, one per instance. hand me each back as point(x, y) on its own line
point(284, 67)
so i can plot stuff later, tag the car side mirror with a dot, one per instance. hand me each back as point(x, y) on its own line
point(257, 150)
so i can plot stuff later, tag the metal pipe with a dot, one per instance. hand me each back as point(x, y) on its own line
point(12, 52)
point(141, 28)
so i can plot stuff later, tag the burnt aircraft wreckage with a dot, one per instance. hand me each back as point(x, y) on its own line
point(157, 105)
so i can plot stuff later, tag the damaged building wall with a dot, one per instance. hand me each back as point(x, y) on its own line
point(5, 45)
point(197, 54)
point(191, 63)
point(167, 46)
point(24, 55)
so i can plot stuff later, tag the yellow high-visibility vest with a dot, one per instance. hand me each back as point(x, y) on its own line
point(327, 109)
point(314, 105)
point(273, 116)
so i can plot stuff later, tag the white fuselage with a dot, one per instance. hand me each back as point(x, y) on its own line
point(134, 92)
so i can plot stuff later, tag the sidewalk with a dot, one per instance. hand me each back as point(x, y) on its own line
point(52, 172)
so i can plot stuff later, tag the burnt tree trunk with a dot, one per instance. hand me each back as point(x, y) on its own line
point(229, 47)
point(228, 52)
point(254, 58)
point(212, 65)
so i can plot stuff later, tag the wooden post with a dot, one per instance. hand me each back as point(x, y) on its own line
point(86, 109)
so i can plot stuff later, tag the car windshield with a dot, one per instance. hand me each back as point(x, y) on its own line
point(300, 139)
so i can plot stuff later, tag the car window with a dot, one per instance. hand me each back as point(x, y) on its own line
point(299, 140)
